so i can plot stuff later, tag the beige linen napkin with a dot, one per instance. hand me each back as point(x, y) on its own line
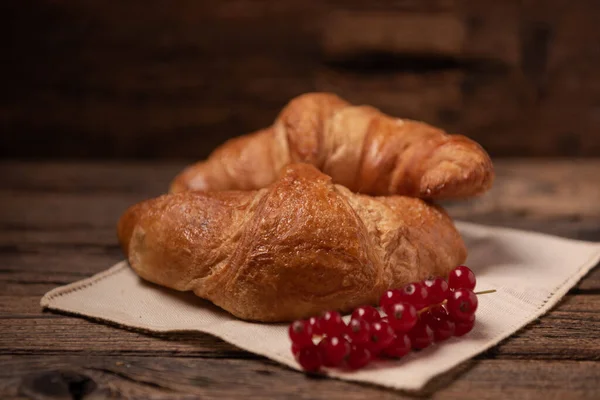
point(530, 272)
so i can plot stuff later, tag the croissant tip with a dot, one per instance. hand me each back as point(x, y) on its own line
point(463, 170)
point(439, 183)
point(177, 186)
point(126, 224)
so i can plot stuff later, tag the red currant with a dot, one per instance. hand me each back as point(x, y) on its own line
point(359, 356)
point(432, 314)
point(315, 323)
point(333, 350)
point(295, 349)
point(332, 324)
point(416, 294)
point(463, 327)
point(443, 329)
point(382, 335)
point(462, 304)
point(358, 331)
point(438, 290)
point(439, 311)
point(389, 297)
point(402, 316)
point(368, 313)
point(399, 347)
point(438, 320)
point(461, 277)
point(309, 358)
point(300, 333)
point(421, 336)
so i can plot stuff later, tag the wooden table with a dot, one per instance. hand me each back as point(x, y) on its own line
point(58, 226)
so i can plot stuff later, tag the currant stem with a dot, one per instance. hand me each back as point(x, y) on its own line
point(421, 311)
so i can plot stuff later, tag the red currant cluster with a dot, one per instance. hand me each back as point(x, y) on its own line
point(416, 316)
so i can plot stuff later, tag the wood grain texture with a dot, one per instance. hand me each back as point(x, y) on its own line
point(57, 226)
point(125, 79)
point(557, 196)
point(145, 377)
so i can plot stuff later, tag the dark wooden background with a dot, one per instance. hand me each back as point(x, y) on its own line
point(173, 79)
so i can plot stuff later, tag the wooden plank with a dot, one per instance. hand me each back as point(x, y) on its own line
point(537, 176)
point(566, 332)
point(591, 282)
point(541, 188)
point(26, 288)
point(556, 198)
point(349, 33)
point(56, 264)
point(428, 95)
point(473, 32)
point(64, 211)
point(168, 51)
point(60, 335)
point(517, 76)
point(28, 239)
point(70, 213)
point(163, 377)
point(403, 5)
point(88, 177)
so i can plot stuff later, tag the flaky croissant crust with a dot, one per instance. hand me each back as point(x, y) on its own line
point(296, 248)
point(358, 146)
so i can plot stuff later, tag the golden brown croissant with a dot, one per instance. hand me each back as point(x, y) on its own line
point(358, 146)
point(299, 247)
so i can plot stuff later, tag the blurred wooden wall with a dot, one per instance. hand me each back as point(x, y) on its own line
point(149, 78)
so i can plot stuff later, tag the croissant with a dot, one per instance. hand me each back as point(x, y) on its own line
point(358, 146)
point(296, 248)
